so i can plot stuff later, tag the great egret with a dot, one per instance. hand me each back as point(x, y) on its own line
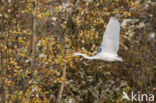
point(110, 45)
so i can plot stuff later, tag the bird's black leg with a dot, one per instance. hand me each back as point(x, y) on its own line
point(130, 66)
point(96, 76)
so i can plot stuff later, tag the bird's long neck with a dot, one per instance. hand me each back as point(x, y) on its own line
point(88, 57)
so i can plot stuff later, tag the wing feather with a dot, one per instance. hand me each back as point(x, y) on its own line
point(111, 37)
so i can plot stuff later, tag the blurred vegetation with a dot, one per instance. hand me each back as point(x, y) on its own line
point(38, 38)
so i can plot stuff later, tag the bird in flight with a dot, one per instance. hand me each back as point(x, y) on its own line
point(110, 43)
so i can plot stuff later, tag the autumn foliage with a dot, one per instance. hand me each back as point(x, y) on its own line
point(38, 38)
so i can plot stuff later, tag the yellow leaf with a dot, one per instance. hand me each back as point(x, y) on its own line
point(91, 38)
point(12, 62)
point(129, 14)
point(117, 12)
point(24, 31)
point(91, 33)
point(21, 40)
point(9, 82)
point(39, 16)
point(22, 54)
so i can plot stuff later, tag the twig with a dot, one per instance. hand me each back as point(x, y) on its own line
point(5, 68)
point(62, 85)
point(33, 35)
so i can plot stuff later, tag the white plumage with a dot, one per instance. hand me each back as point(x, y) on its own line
point(110, 43)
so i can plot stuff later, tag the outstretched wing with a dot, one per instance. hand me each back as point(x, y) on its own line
point(111, 37)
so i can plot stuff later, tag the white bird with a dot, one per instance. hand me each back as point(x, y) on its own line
point(110, 44)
